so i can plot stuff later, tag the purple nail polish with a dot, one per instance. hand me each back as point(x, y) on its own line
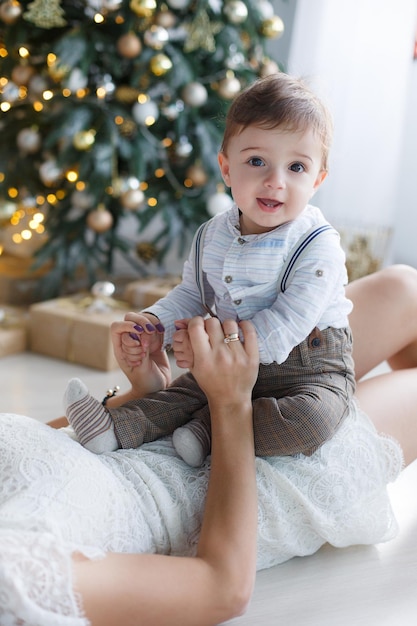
point(139, 328)
point(160, 327)
point(134, 336)
point(150, 327)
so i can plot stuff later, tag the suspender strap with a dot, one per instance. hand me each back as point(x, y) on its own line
point(297, 253)
point(199, 274)
point(287, 272)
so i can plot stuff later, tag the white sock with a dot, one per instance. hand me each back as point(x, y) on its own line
point(91, 420)
point(189, 447)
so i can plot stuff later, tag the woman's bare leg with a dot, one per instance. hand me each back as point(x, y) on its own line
point(384, 319)
point(384, 326)
point(390, 400)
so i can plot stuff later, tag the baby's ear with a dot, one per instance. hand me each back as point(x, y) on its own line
point(320, 178)
point(224, 167)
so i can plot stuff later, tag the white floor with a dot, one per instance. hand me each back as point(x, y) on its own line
point(358, 586)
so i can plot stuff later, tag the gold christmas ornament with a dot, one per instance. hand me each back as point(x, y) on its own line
point(229, 87)
point(146, 251)
point(46, 14)
point(84, 139)
point(127, 128)
point(10, 11)
point(197, 175)
point(21, 74)
point(129, 46)
point(126, 94)
point(272, 27)
point(160, 64)
point(165, 18)
point(143, 8)
point(268, 67)
point(236, 11)
point(100, 220)
point(132, 199)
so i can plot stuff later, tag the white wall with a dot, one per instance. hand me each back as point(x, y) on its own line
point(358, 54)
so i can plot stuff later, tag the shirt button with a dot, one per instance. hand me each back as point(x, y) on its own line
point(315, 342)
point(319, 273)
point(228, 279)
point(237, 301)
point(241, 241)
point(167, 347)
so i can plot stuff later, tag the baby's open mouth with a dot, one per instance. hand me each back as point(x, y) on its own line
point(269, 203)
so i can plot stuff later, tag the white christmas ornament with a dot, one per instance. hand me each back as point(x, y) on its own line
point(76, 80)
point(218, 203)
point(145, 113)
point(50, 172)
point(236, 11)
point(81, 199)
point(194, 94)
point(265, 8)
point(156, 37)
point(178, 4)
point(28, 140)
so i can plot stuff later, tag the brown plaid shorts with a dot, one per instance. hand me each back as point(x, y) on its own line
point(297, 405)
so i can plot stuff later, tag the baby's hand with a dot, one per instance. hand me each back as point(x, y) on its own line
point(181, 345)
point(147, 335)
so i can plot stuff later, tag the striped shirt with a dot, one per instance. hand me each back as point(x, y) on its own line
point(240, 282)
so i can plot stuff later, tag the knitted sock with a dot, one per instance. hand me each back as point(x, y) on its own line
point(91, 420)
point(192, 442)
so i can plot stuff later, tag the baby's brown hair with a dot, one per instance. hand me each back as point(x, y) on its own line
point(280, 100)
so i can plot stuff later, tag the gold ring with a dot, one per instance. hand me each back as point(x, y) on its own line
point(231, 337)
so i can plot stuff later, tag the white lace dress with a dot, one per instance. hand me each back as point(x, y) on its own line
point(56, 497)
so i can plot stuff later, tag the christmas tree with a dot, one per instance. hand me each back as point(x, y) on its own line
point(112, 110)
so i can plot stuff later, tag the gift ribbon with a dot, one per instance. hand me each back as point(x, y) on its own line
point(92, 304)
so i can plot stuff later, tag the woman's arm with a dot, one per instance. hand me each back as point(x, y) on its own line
point(216, 585)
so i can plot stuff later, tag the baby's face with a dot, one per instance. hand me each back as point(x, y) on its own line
point(272, 173)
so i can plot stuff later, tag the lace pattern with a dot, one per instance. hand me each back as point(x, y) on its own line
point(56, 497)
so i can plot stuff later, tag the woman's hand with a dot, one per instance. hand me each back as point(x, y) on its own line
point(226, 372)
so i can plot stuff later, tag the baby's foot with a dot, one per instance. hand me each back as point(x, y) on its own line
point(192, 442)
point(91, 420)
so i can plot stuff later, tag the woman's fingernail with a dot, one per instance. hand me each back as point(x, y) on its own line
point(139, 328)
point(160, 328)
point(177, 327)
point(150, 327)
point(134, 336)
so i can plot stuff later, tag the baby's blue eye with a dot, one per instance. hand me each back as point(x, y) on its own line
point(297, 167)
point(256, 162)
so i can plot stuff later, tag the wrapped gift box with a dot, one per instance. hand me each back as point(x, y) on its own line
point(19, 284)
point(13, 330)
point(143, 293)
point(76, 329)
